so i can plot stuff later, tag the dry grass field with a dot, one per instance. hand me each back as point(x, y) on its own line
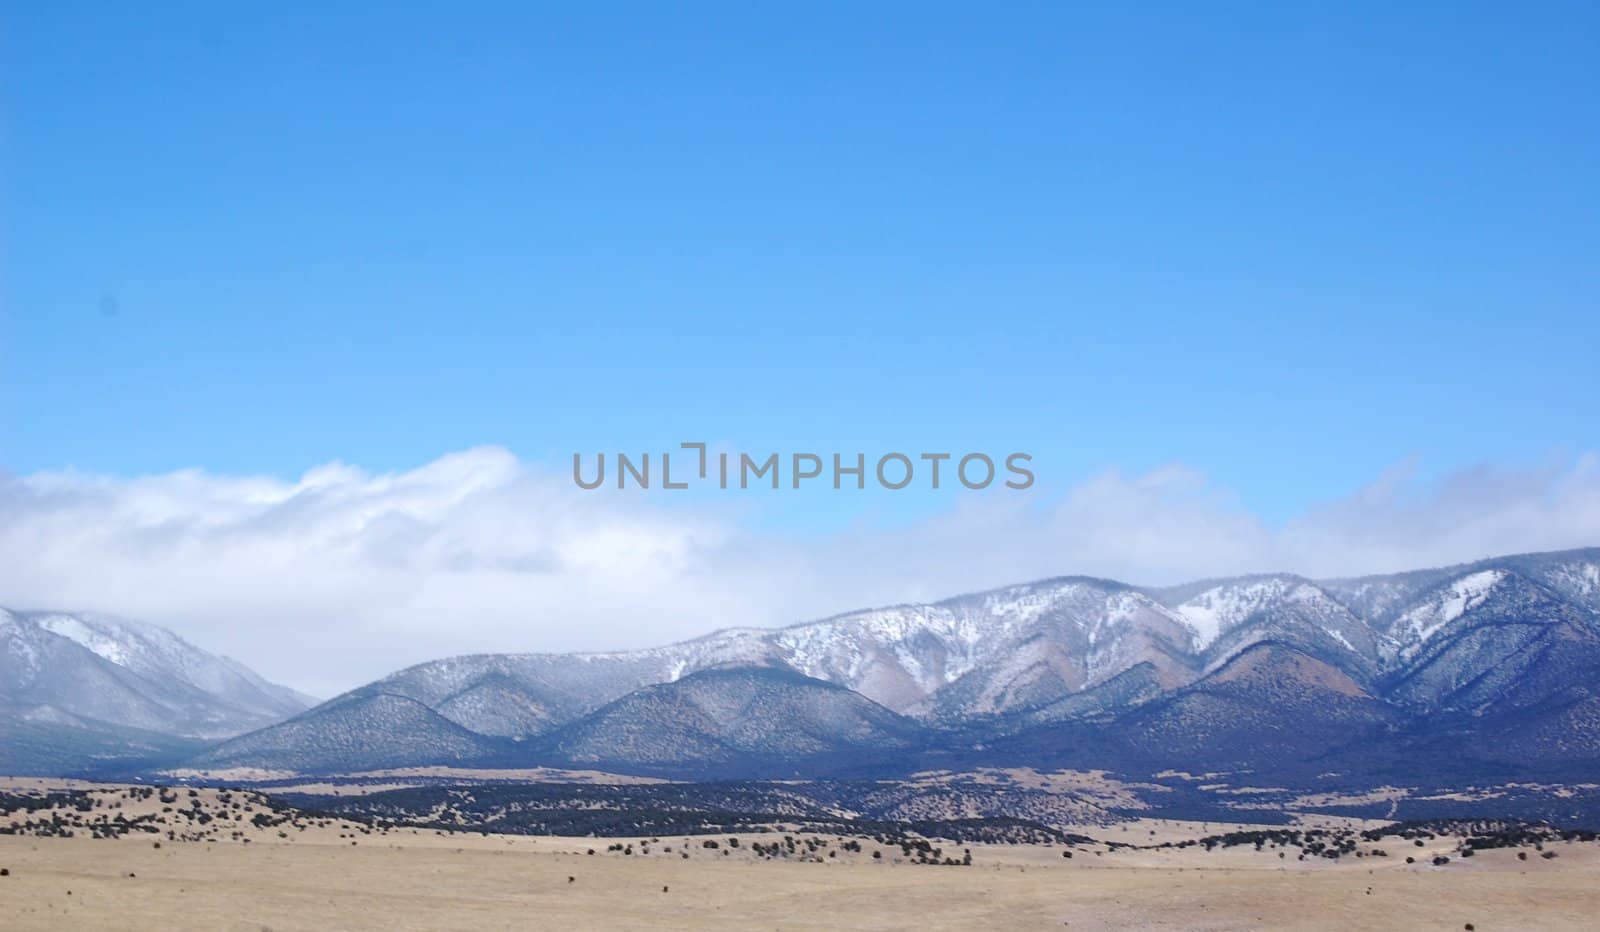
point(333, 875)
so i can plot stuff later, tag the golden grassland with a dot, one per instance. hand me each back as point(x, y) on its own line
point(329, 874)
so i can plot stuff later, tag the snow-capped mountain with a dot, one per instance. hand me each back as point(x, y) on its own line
point(110, 686)
point(984, 654)
point(988, 654)
point(1097, 666)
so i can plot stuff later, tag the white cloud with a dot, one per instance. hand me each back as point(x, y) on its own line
point(344, 575)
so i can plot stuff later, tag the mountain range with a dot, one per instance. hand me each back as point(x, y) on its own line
point(1489, 667)
point(79, 690)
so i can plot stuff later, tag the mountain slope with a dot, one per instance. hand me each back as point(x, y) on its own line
point(986, 654)
point(1271, 704)
point(1490, 640)
point(752, 716)
point(1270, 708)
point(50, 743)
point(355, 733)
point(1227, 673)
point(114, 689)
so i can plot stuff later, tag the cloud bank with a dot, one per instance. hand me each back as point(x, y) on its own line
point(345, 575)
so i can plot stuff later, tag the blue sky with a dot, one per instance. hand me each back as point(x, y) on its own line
point(1285, 248)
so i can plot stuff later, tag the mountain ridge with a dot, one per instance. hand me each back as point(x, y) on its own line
point(1268, 670)
point(1064, 653)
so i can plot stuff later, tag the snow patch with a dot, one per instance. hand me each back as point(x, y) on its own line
point(1215, 611)
point(1450, 603)
point(93, 639)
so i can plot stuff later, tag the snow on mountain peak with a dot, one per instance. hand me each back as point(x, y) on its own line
point(1578, 580)
point(1450, 602)
point(95, 639)
point(114, 673)
point(1216, 610)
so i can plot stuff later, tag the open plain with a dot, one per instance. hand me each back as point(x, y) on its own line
point(242, 872)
